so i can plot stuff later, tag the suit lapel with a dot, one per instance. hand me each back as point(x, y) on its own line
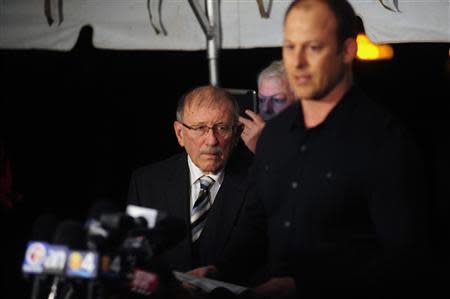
point(225, 210)
point(177, 197)
point(177, 189)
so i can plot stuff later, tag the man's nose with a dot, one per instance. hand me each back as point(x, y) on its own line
point(300, 59)
point(268, 106)
point(211, 137)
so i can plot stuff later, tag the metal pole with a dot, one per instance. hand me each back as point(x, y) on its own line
point(211, 27)
point(213, 41)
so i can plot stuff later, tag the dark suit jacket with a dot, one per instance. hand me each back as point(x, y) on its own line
point(165, 186)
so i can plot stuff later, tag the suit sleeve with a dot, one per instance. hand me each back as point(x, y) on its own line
point(246, 250)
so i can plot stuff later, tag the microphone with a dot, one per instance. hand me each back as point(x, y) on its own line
point(167, 233)
point(68, 234)
point(106, 228)
point(122, 222)
point(98, 237)
point(144, 244)
point(36, 251)
point(44, 227)
point(130, 240)
point(71, 234)
point(101, 206)
point(152, 216)
point(140, 251)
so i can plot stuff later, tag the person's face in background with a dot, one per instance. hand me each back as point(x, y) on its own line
point(274, 95)
point(210, 151)
point(314, 63)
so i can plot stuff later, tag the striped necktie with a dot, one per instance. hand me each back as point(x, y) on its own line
point(201, 207)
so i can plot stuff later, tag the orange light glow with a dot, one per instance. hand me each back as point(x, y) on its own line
point(370, 51)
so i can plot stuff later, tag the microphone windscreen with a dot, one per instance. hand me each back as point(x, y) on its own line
point(71, 234)
point(44, 227)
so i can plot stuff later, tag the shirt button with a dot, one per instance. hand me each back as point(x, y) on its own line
point(329, 175)
point(303, 148)
point(287, 224)
point(294, 185)
point(266, 167)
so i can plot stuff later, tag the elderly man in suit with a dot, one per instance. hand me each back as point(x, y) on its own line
point(203, 185)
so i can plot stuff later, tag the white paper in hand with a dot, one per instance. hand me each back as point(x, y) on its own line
point(208, 284)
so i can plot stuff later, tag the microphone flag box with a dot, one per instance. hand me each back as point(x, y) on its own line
point(41, 257)
point(34, 257)
point(82, 264)
point(56, 258)
point(150, 215)
point(144, 282)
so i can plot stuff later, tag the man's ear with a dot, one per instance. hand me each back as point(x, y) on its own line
point(178, 132)
point(349, 50)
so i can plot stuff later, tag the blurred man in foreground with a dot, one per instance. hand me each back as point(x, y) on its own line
point(337, 205)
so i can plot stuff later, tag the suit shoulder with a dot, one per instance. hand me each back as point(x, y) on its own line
point(160, 167)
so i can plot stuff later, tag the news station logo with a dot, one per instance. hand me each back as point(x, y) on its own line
point(82, 264)
point(35, 257)
point(41, 257)
point(55, 260)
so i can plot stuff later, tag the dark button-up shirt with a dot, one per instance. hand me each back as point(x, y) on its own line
point(337, 205)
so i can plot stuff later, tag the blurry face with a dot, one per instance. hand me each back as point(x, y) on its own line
point(313, 62)
point(274, 96)
point(210, 151)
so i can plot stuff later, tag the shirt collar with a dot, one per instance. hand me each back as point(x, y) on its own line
point(196, 173)
point(294, 117)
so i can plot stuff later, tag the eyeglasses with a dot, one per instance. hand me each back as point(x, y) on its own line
point(275, 99)
point(220, 130)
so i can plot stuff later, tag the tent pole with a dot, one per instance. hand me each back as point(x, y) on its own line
point(213, 41)
point(210, 25)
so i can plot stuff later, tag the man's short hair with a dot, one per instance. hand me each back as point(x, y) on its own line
point(210, 96)
point(346, 19)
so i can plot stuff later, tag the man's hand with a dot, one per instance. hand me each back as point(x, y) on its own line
point(277, 287)
point(206, 271)
point(252, 129)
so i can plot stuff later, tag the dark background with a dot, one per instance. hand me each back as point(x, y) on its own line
point(75, 124)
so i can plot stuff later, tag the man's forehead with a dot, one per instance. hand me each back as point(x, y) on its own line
point(320, 10)
point(201, 106)
point(309, 24)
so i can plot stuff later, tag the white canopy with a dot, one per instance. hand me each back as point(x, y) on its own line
point(126, 25)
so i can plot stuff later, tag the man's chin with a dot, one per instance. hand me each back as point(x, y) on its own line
point(212, 158)
point(212, 167)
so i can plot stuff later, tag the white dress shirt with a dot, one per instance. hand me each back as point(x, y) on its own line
point(195, 175)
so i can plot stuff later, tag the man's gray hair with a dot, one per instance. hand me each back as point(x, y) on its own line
point(210, 96)
point(274, 70)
